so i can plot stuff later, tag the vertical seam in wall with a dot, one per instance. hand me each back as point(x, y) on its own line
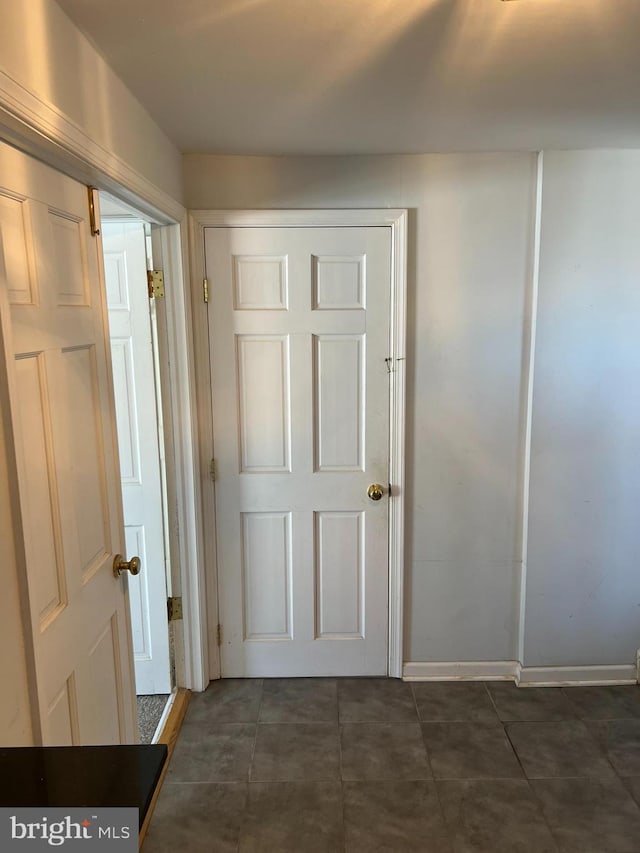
point(529, 373)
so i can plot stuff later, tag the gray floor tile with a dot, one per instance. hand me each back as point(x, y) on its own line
point(564, 748)
point(530, 703)
point(291, 817)
point(632, 784)
point(219, 752)
point(393, 816)
point(200, 818)
point(590, 815)
point(375, 700)
point(286, 752)
point(494, 816)
point(620, 739)
point(454, 702)
point(604, 703)
point(383, 751)
point(299, 700)
point(231, 700)
point(470, 750)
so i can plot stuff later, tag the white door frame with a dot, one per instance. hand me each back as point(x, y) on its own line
point(40, 129)
point(396, 221)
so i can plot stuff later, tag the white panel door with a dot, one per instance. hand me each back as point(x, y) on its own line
point(55, 332)
point(125, 266)
point(299, 331)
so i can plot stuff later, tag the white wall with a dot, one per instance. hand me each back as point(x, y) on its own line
point(42, 51)
point(471, 245)
point(583, 576)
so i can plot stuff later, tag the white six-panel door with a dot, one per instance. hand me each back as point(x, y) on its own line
point(64, 425)
point(136, 410)
point(299, 330)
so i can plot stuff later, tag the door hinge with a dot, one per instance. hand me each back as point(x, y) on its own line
point(212, 469)
point(219, 634)
point(174, 608)
point(94, 211)
point(155, 284)
point(205, 289)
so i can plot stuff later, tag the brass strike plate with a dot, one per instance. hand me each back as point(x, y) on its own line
point(155, 281)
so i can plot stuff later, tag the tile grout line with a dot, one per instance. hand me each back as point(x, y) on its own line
point(344, 821)
point(536, 800)
point(255, 740)
point(448, 834)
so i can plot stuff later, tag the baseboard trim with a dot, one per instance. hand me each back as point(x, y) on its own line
point(573, 676)
point(511, 670)
point(501, 670)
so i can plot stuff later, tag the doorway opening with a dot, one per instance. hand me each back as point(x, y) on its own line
point(134, 330)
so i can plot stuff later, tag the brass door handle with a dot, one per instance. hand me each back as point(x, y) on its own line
point(375, 491)
point(120, 565)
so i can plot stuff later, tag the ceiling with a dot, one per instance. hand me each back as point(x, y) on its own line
point(376, 76)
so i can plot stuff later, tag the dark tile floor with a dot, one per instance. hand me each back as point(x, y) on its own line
point(365, 765)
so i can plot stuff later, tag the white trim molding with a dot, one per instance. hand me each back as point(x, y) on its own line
point(41, 129)
point(396, 221)
point(501, 670)
point(193, 671)
point(523, 676)
point(574, 676)
point(529, 352)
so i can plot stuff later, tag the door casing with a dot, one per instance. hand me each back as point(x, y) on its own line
point(396, 221)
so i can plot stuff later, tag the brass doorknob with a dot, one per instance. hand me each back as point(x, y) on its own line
point(120, 565)
point(375, 491)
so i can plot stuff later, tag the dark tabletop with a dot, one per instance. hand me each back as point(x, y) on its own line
point(69, 776)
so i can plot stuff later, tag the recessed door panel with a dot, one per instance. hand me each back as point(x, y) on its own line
point(139, 595)
point(339, 565)
point(15, 248)
point(44, 545)
point(263, 392)
point(339, 402)
point(260, 283)
point(339, 283)
point(97, 681)
point(70, 260)
point(126, 414)
point(62, 716)
point(266, 575)
point(115, 273)
point(80, 421)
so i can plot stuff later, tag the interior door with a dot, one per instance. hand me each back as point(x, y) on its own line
point(63, 417)
point(125, 267)
point(299, 335)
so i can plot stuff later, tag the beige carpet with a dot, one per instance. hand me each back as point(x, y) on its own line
point(150, 710)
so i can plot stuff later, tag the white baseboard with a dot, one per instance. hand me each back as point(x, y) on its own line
point(484, 670)
point(573, 676)
point(511, 670)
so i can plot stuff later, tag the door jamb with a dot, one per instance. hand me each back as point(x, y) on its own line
point(396, 221)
